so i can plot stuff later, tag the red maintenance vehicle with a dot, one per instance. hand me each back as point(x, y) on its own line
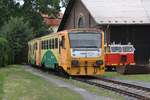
point(117, 55)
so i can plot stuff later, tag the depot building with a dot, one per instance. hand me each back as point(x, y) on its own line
point(123, 21)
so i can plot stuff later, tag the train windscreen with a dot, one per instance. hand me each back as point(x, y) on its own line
point(116, 49)
point(85, 40)
point(128, 49)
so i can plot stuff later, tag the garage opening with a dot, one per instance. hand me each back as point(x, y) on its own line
point(139, 36)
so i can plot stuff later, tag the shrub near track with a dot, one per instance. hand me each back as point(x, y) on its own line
point(4, 48)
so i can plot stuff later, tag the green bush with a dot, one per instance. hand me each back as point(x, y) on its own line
point(17, 32)
point(4, 52)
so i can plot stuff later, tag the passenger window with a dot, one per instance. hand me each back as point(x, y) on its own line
point(46, 44)
point(63, 42)
point(35, 46)
point(42, 44)
point(49, 44)
point(53, 44)
point(56, 43)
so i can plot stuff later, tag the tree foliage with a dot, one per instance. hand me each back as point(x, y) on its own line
point(31, 11)
point(19, 22)
point(17, 32)
point(65, 3)
point(4, 52)
point(6, 9)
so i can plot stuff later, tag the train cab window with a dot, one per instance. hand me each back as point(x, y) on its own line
point(56, 43)
point(116, 49)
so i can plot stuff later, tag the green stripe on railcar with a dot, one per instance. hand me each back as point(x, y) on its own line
point(49, 60)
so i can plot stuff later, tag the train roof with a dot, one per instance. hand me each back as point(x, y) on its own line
point(70, 30)
point(119, 45)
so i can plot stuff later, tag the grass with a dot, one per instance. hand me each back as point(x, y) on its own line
point(96, 90)
point(1, 86)
point(138, 77)
point(17, 84)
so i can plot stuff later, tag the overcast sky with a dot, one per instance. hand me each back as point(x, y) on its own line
point(62, 10)
point(21, 3)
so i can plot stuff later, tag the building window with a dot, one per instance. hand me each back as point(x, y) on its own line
point(81, 22)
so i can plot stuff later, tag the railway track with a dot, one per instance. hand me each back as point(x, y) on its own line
point(138, 92)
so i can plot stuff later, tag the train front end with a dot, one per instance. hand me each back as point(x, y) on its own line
point(128, 54)
point(86, 53)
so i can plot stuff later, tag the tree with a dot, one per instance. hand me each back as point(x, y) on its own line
point(4, 51)
point(32, 10)
point(6, 9)
point(17, 32)
point(19, 22)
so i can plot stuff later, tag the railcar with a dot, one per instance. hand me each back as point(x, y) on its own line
point(76, 52)
point(117, 55)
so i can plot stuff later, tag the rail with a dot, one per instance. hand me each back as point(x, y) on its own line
point(139, 92)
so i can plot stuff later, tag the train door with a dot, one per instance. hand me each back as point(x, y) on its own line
point(38, 53)
point(107, 53)
point(62, 51)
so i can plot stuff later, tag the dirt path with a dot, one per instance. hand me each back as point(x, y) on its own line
point(83, 92)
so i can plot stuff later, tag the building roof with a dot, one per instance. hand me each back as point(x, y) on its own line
point(50, 21)
point(119, 11)
point(114, 12)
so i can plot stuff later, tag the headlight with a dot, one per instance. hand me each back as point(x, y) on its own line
point(75, 63)
point(99, 62)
